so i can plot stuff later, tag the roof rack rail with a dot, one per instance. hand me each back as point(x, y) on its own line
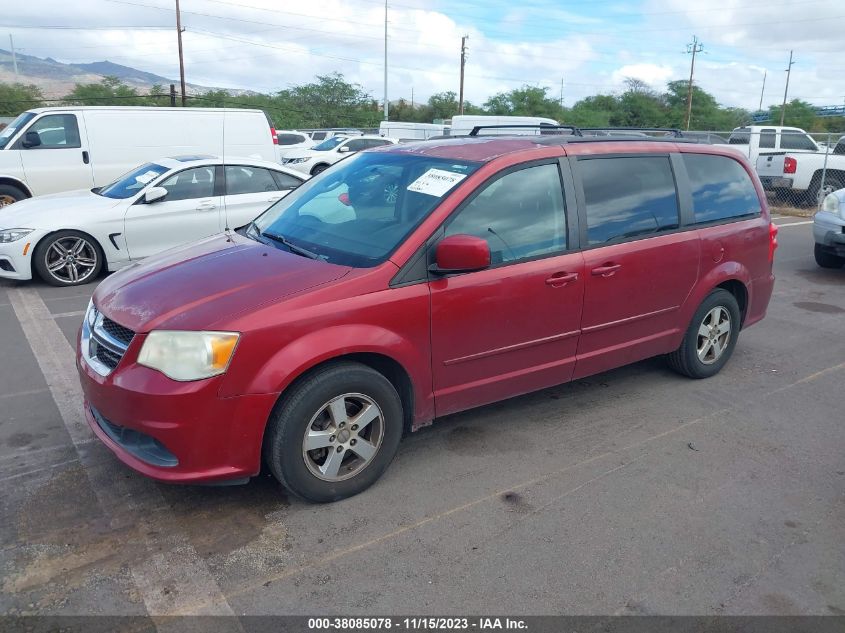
point(540, 126)
point(673, 130)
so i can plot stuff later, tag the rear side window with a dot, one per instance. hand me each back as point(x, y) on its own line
point(796, 140)
point(767, 139)
point(628, 197)
point(721, 188)
point(242, 179)
point(521, 215)
point(286, 181)
point(290, 139)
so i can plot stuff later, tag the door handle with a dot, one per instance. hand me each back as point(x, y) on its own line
point(206, 206)
point(85, 158)
point(558, 280)
point(608, 270)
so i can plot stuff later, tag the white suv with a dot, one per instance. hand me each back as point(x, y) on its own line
point(320, 157)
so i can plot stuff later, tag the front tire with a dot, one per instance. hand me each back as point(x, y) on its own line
point(335, 433)
point(826, 259)
point(68, 258)
point(319, 169)
point(710, 338)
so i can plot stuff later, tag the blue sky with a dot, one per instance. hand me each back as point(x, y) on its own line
point(591, 45)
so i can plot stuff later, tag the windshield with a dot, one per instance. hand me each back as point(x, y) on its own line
point(129, 184)
point(8, 132)
point(329, 143)
point(359, 212)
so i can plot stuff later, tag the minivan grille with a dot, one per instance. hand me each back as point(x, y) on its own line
point(105, 342)
point(122, 334)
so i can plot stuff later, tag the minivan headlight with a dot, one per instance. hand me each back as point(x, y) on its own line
point(183, 355)
point(831, 203)
point(13, 235)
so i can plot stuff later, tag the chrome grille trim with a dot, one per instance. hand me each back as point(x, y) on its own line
point(100, 348)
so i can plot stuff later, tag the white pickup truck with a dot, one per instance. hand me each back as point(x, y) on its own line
point(807, 176)
point(754, 140)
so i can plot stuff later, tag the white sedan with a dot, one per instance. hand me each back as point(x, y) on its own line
point(67, 238)
point(320, 157)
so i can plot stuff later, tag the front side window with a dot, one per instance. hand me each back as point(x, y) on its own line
point(628, 197)
point(242, 179)
point(521, 215)
point(190, 184)
point(721, 188)
point(358, 213)
point(358, 144)
point(797, 140)
point(54, 131)
point(8, 132)
point(129, 184)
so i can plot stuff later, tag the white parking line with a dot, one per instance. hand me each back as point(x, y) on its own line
point(796, 223)
point(62, 315)
point(172, 560)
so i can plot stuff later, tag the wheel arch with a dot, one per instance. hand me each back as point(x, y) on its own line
point(16, 182)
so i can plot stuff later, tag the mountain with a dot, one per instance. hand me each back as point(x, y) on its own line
point(56, 78)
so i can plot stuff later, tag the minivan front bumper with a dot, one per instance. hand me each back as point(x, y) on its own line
point(829, 231)
point(178, 432)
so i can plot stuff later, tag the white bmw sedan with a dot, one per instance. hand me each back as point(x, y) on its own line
point(68, 238)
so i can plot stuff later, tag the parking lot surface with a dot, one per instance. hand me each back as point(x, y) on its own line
point(631, 492)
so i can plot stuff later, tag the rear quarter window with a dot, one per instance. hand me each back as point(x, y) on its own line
point(721, 188)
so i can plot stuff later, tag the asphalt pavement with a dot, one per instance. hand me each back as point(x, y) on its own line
point(636, 491)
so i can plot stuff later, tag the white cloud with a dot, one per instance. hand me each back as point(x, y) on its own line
point(655, 75)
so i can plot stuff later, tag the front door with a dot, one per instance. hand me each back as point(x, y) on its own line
point(513, 327)
point(54, 154)
point(189, 212)
point(639, 267)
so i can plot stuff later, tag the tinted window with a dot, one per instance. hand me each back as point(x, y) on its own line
point(520, 215)
point(286, 181)
point(721, 188)
point(740, 136)
point(796, 140)
point(767, 139)
point(840, 146)
point(628, 196)
point(242, 179)
point(290, 139)
point(189, 184)
point(358, 144)
point(56, 131)
point(318, 136)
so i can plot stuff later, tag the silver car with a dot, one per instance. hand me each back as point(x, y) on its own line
point(829, 231)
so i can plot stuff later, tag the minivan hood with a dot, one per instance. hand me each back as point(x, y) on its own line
point(51, 211)
point(197, 286)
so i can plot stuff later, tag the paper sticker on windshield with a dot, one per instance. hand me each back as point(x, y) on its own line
point(146, 177)
point(436, 182)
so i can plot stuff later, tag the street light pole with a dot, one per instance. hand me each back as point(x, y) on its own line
point(386, 105)
point(693, 48)
point(463, 63)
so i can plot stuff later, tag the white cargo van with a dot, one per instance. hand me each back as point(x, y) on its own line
point(409, 131)
point(464, 123)
point(47, 150)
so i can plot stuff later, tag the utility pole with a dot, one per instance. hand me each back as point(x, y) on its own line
point(695, 47)
point(463, 63)
point(786, 90)
point(762, 90)
point(14, 58)
point(412, 97)
point(386, 105)
point(561, 92)
point(181, 58)
point(172, 95)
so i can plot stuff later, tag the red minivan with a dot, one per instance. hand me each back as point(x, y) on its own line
point(418, 280)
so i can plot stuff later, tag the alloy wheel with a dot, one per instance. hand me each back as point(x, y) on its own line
point(343, 437)
point(714, 335)
point(71, 259)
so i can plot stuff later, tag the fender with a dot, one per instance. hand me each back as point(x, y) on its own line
point(15, 181)
point(283, 367)
point(719, 274)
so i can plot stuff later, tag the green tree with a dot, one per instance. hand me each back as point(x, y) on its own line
point(595, 111)
point(525, 101)
point(331, 101)
point(17, 97)
point(798, 114)
point(110, 91)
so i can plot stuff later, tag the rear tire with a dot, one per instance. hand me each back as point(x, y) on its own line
point(816, 193)
point(10, 194)
point(351, 416)
point(826, 259)
point(710, 338)
point(318, 169)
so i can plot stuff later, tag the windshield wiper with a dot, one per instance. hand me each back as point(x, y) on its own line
point(276, 237)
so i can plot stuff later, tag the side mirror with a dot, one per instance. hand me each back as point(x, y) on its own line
point(461, 253)
point(343, 149)
point(154, 194)
point(31, 139)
